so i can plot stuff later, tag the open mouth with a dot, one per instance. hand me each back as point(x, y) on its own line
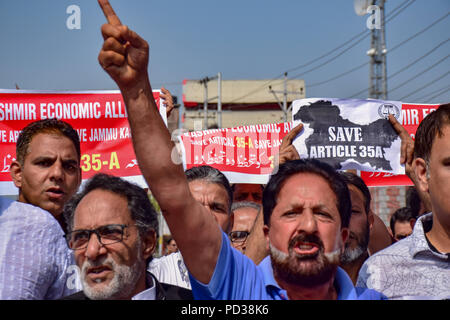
point(306, 248)
point(98, 274)
point(55, 192)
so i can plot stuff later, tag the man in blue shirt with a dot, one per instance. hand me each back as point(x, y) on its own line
point(306, 204)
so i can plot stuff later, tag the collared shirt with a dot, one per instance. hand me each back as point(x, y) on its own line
point(34, 258)
point(149, 293)
point(236, 277)
point(170, 269)
point(409, 269)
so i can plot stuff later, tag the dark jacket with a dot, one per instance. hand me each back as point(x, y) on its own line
point(164, 291)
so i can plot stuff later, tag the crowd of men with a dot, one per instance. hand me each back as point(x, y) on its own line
point(309, 233)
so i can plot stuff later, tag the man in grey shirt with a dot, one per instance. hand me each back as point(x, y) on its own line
point(418, 267)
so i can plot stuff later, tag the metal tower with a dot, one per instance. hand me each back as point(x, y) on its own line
point(377, 51)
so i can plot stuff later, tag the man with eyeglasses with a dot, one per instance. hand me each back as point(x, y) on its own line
point(112, 232)
point(402, 223)
point(244, 218)
point(212, 189)
point(247, 233)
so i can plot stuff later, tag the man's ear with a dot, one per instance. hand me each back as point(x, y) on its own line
point(16, 173)
point(149, 244)
point(370, 219)
point(412, 222)
point(80, 176)
point(420, 168)
point(230, 223)
point(266, 236)
point(345, 232)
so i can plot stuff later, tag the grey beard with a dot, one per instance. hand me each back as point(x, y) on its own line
point(304, 272)
point(351, 255)
point(123, 283)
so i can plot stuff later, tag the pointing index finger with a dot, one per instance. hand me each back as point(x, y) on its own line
point(287, 140)
point(109, 13)
point(397, 126)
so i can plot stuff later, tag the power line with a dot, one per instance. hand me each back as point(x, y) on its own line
point(329, 60)
point(389, 18)
point(424, 97)
point(420, 32)
point(425, 86)
point(418, 59)
point(391, 50)
point(366, 63)
point(404, 42)
point(358, 93)
point(338, 76)
point(364, 33)
point(439, 94)
point(418, 74)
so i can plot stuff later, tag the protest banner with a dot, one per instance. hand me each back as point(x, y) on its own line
point(99, 117)
point(245, 154)
point(349, 134)
point(354, 134)
point(412, 116)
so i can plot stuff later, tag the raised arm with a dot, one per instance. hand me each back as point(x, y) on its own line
point(124, 56)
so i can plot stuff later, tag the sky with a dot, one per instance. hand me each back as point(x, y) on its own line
point(245, 39)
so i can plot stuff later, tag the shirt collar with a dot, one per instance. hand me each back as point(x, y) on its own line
point(271, 284)
point(342, 282)
point(418, 235)
point(149, 293)
point(344, 286)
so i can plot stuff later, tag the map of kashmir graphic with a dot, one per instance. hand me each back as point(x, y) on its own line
point(331, 131)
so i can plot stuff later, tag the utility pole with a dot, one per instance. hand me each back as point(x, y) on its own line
point(219, 100)
point(205, 81)
point(283, 105)
point(205, 103)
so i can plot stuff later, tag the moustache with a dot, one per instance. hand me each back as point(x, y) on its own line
point(306, 238)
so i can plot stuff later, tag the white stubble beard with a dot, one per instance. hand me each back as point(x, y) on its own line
point(121, 285)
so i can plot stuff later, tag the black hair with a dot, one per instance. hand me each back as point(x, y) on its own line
point(289, 168)
point(403, 214)
point(50, 126)
point(139, 204)
point(430, 127)
point(211, 175)
point(353, 179)
point(413, 201)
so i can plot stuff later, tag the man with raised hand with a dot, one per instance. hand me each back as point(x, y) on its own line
point(306, 226)
point(418, 267)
